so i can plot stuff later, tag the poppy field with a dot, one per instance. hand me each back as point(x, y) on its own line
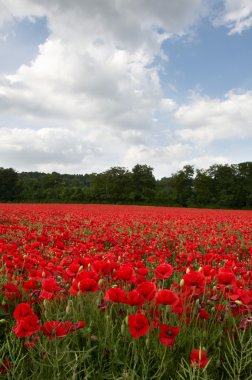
point(125, 292)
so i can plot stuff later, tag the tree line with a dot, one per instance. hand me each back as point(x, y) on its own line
point(219, 186)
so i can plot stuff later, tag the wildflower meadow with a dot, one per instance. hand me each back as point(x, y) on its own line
point(125, 292)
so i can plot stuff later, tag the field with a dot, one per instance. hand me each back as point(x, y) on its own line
point(125, 292)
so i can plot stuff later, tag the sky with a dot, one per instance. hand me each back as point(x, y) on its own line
point(86, 85)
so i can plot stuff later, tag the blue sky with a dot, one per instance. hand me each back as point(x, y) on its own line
point(168, 84)
point(19, 42)
point(212, 62)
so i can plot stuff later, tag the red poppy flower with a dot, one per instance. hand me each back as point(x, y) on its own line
point(22, 310)
point(88, 285)
point(142, 271)
point(73, 269)
point(163, 271)
point(138, 325)
point(198, 358)
point(134, 298)
point(27, 325)
point(58, 329)
point(245, 323)
point(168, 334)
point(203, 314)
point(147, 289)
point(226, 278)
point(167, 297)
point(5, 366)
point(31, 342)
point(29, 285)
point(85, 282)
point(194, 278)
point(155, 322)
point(116, 295)
point(246, 298)
point(54, 329)
point(101, 267)
point(11, 291)
point(126, 273)
point(49, 287)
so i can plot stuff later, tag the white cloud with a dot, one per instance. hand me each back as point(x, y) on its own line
point(236, 16)
point(205, 120)
point(92, 97)
point(164, 159)
point(204, 161)
point(12, 10)
point(97, 58)
point(46, 149)
point(71, 151)
point(94, 84)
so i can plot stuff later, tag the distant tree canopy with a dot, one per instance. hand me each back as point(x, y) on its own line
point(219, 186)
point(9, 185)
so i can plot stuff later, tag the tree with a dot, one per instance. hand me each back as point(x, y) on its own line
point(183, 184)
point(144, 183)
point(98, 188)
point(118, 182)
point(51, 186)
point(224, 185)
point(243, 193)
point(165, 191)
point(203, 188)
point(9, 185)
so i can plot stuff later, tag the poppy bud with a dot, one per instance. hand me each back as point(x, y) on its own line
point(94, 338)
point(69, 306)
point(101, 281)
point(147, 342)
point(181, 284)
point(45, 303)
point(122, 328)
point(238, 302)
point(80, 268)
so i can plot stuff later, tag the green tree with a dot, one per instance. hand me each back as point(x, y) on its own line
point(98, 188)
point(118, 183)
point(183, 184)
point(144, 183)
point(243, 193)
point(165, 191)
point(203, 188)
point(9, 185)
point(51, 186)
point(224, 185)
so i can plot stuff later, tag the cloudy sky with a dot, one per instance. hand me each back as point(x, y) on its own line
point(90, 84)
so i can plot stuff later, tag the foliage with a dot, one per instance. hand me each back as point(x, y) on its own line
point(220, 186)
